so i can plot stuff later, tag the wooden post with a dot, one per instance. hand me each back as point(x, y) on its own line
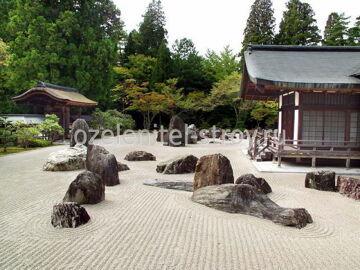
point(348, 163)
point(63, 121)
point(279, 161)
point(67, 120)
point(313, 162)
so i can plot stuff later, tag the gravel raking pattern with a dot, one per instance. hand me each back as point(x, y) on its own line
point(142, 227)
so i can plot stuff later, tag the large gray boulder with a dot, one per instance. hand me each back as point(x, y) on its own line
point(349, 186)
point(69, 159)
point(258, 182)
point(140, 156)
point(213, 170)
point(80, 133)
point(176, 134)
point(178, 165)
point(320, 180)
point(104, 164)
point(246, 199)
point(68, 215)
point(87, 188)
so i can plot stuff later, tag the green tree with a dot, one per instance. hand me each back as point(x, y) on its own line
point(26, 134)
point(143, 100)
point(354, 34)
point(298, 25)
point(152, 32)
point(110, 119)
point(132, 45)
point(73, 43)
point(260, 25)
point(226, 93)
point(50, 127)
point(336, 30)
point(163, 67)
point(265, 113)
point(189, 67)
point(141, 67)
point(6, 105)
point(174, 96)
point(5, 7)
point(223, 64)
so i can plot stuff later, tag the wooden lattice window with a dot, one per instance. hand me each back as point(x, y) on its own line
point(323, 126)
point(355, 127)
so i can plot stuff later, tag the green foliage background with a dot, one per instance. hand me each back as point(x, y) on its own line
point(82, 44)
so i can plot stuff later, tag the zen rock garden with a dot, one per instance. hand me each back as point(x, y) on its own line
point(213, 184)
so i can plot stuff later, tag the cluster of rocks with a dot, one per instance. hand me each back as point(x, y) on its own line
point(325, 180)
point(102, 169)
point(214, 186)
point(179, 133)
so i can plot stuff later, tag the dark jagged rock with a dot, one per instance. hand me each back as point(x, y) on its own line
point(259, 183)
point(68, 215)
point(213, 170)
point(80, 124)
point(246, 199)
point(178, 165)
point(140, 156)
point(104, 164)
point(161, 135)
point(321, 180)
point(176, 135)
point(87, 188)
point(178, 185)
point(123, 167)
point(349, 186)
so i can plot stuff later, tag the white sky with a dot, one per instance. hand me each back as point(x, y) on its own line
point(213, 24)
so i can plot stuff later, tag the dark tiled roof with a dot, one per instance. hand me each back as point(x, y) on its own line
point(304, 66)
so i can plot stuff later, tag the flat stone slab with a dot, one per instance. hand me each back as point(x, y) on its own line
point(170, 184)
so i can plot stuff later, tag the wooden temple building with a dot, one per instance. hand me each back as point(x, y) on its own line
point(318, 92)
point(46, 98)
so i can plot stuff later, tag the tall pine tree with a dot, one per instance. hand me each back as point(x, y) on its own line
point(163, 67)
point(132, 46)
point(152, 32)
point(298, 25)
point(260, 24)
point(189, 67)
point(336, 30)
point(354, 34)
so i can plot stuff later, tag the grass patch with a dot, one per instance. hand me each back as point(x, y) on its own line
point(16, 149)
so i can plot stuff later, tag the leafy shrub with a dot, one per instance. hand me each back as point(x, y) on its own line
point(39, 143)
point(7, 136)
point(25, 134)
point(50, 128)
point(110, 119)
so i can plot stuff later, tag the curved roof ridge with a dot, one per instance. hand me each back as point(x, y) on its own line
point(55, 86)
point(304, 48)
